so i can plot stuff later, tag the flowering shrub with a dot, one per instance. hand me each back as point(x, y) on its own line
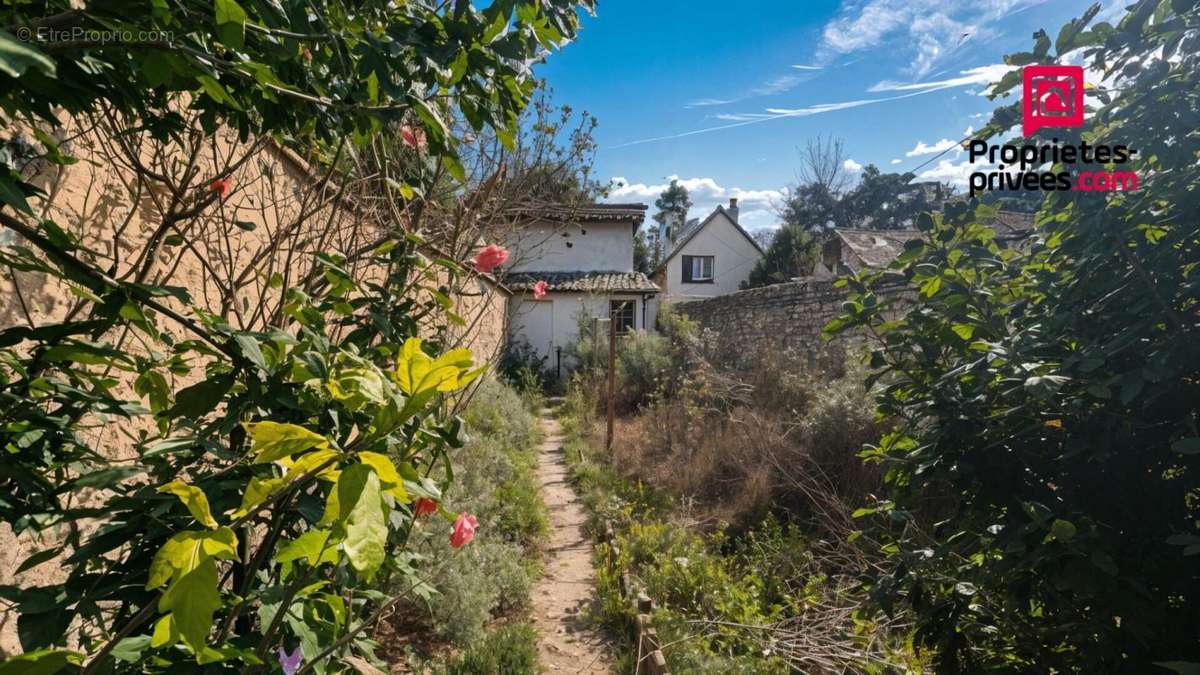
point(266, 505)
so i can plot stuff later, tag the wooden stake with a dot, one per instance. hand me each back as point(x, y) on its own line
point(612, 366)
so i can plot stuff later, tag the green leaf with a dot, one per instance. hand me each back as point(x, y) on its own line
point(200, 398)
point(274, 441)
point(231, 23)
point(192, 601)
point(964, 330)
point(194, 499)
point(364, 516)
point(41, 662)
point(931, 286)
point(130, 649)
point(388, 476)
point(17, 56)
point(246, 225)
point(11, 192)
point(248, 346)
point(165, 632)
point(1062, 530)
point(183, 551)
point(217, 91)
point(257, 491)
point(312, 546)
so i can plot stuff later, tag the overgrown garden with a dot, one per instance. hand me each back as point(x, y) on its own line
point(237, 477)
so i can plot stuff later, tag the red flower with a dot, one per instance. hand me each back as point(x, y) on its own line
point(424, 506)
point(490, 258)
point(413, 138)
point(539, 290)
point(221, 186)
point(464, 530)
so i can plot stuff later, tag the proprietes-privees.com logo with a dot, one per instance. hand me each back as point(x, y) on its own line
point(1052, 96)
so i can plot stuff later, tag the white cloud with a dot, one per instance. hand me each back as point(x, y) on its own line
point(806, 67)
point(923, 149)
point(704, 102)
point(755, 207)
point(949, 171)
point(896, 160)
point(985, 75)
point(924, 32)
point(852, 166)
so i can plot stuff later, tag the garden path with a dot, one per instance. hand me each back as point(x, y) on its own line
point(566, 643)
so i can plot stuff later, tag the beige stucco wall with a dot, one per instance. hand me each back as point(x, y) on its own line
point(734, 256)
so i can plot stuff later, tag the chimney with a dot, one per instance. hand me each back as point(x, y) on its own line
point(733, 209)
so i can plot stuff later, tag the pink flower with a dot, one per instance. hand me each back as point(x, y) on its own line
point(221, 186)
point(539, 290)
point(413, 138)
point(464, 530)
point(424, 506)
point(290, 662)
point(490, 258)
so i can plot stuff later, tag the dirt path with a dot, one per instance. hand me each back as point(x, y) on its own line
point(560, 599)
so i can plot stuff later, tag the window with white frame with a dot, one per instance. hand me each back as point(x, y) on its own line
point(698, 269)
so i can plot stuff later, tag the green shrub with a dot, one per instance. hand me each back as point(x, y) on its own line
point(1041, 497)
point(510, 650)
point(477, 583)
point(495, 480)
point(643, 367)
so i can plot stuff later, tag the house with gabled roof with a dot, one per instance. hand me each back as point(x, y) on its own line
point(709, 258)
point(584, 256)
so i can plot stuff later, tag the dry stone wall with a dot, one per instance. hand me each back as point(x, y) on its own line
point(784, 318)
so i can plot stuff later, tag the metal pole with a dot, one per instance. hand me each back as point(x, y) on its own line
point(612, 357)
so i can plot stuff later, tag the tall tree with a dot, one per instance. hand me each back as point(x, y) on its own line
point(890, 201)
point(673, 205)
point(793, 253)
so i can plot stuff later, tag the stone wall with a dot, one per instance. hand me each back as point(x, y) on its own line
point(785, 318)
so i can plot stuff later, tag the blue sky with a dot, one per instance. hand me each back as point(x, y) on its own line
point(723, 94)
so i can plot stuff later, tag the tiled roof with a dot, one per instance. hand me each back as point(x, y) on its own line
point(585, 213)
point(1012, 225)
point(873, 248)
point(583, 282)
point(878, 248)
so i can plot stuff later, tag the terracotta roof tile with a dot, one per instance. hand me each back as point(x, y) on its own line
point(583, 282)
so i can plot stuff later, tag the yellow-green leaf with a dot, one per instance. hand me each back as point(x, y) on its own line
point(40, 662)
point(313, 546)
point(194, 499)
point(185, 550)
point(164, 632)
point(364, 515)
point(390, 479)
point(257, 491)
point(192, 600)
point(275, 440)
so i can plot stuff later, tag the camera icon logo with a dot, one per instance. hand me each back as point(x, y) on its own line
point(1052, 97)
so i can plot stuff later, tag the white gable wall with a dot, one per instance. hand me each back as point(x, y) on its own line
point(587, 247)
point(734, 256)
